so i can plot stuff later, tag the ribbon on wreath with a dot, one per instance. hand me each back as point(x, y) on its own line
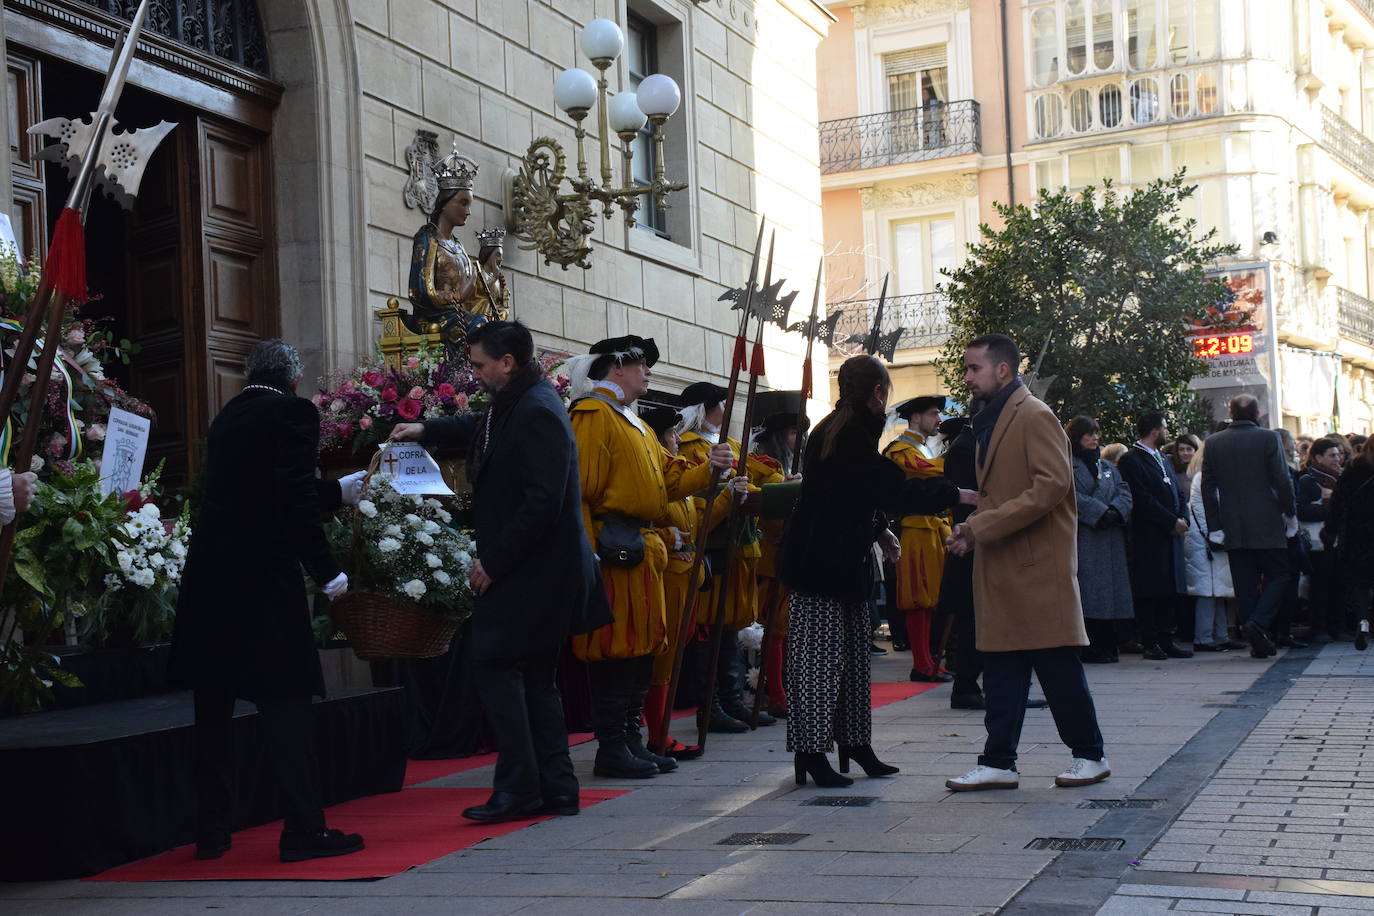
point(68, 423)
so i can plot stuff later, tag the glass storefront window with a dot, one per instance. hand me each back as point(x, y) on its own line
point(1147, 163)
point(1092, 166)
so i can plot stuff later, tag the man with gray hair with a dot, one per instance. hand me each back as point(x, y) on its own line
point(1247, 493)
point(242, 626)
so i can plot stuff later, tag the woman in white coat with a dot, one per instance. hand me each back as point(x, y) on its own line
point(1209, 573)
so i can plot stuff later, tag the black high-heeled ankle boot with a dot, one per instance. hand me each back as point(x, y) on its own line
point(819, 769)
point(863, 755)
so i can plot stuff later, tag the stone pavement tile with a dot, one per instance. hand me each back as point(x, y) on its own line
point(556, 885)
point(139, 906)
point(860, 909)
point(576, 861)
point(1365, 904)
point(1240, 908)
point(591, 906)
point(1342, 874)
point(1174, 890)
point(441, 905)
point(1135, 906)
point(917, 865)
point(781, 862)
point(991, 892)
point(812, 889)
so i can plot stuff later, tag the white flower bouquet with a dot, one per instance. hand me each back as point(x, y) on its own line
point(404, 557)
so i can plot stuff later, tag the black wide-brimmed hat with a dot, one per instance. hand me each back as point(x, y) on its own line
point(919, 405)
point(781, 421)
point(707, 394)
point(953, 426)
point(660, 419)
point(627, 349)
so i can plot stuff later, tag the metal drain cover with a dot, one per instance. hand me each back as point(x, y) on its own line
point(1121, 803)
point(841, 801)
point(762, 839)
point(1084, 844)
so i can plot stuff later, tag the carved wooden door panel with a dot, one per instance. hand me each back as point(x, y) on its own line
point(237, 270)
point(203, 284)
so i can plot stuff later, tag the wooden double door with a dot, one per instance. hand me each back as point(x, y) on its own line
point(190, 274)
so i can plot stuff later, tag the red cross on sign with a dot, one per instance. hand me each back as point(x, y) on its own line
point(390, 462)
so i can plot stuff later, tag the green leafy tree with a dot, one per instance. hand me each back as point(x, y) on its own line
point(1099, 289)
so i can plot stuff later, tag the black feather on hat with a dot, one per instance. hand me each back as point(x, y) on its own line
point(919, 405)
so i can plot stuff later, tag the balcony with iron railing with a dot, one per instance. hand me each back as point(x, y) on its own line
point(924, 318)
point(895, 137)
point(1355, 315)
point(1346, 143)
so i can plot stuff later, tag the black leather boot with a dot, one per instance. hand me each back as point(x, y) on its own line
point(730, 682)
point(611, 682)
point(863, 755)
point(634, 710)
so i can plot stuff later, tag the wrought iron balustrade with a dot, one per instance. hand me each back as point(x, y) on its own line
point(1347, 144)
point(893, 137)
point(924, 318)
point(1355, 315)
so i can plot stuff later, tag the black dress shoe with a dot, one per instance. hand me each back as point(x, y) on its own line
point(297, 846)
point(1155, 654)
point(1259, 640)
point(900, 646)
point(503, 806)
point(875, 649)
point(921, 677)
point(746, 715)
point(967, 701)
point(212, 847)
point(723, 724)
point(559, 805)
point(1173, 650)
point(615, 761)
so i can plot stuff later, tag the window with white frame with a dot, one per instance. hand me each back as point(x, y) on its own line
point(921, 250)
point(1076, 39)
point(918, 78)
point(641, 61)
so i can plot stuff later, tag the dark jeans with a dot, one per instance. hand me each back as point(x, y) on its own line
point(1154, 617)
point(1006, 685)
point(287, 729)
point(1247, 565)
point(1327, 613)
point(520, 697)
point(968, 661)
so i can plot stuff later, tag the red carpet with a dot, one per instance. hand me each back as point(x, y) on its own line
point(895, 692)
point(402, 830)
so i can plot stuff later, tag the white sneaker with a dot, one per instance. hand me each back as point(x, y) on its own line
point(1083, 772)
point(981, 777)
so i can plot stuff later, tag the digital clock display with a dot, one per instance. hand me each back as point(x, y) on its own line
point(1210, 346)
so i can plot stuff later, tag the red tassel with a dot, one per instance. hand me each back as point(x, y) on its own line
point(757, 367)
point(66, 267)
point(741, 358)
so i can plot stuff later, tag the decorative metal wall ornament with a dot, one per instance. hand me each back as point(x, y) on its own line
point(556, 223)
point(228, 29)
point(421, 188)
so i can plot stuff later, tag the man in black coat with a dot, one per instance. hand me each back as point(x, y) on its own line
point(535, 578)
point(1157, 526)
point(1247, 493)
point(243, 624)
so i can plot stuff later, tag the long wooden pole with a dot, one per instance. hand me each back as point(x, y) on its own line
point(659, 740)
point(732, 549)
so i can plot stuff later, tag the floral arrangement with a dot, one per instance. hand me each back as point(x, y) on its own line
point(359, 407)
point(406, 546)
point(107, 562)
point(72, 415)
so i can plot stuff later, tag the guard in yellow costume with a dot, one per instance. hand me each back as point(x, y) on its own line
point(678, 528)
point(923, 536)
point(703, 410)
point(776, 443)
point(627, 482)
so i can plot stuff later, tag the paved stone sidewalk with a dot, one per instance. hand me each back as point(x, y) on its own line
point(916, 849)
point(1286, 826)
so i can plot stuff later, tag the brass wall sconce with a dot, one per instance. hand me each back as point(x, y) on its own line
point(556, 223)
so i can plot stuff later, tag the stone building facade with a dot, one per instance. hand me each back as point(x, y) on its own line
point(1267, 103)
point(313, 133)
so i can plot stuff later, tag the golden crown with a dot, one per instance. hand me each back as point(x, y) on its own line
point(455, 171)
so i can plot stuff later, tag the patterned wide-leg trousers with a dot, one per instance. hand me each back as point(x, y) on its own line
point(828, 656)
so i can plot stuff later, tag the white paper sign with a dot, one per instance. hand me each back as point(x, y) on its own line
point(7, 239)
point(412, 470)
point(126, 444)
